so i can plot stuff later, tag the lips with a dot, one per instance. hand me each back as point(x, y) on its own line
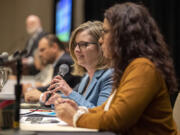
point(79, 56)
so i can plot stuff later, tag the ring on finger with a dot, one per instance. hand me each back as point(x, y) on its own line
point(57, 85)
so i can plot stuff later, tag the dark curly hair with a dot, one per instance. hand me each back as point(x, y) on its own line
point(136, 34)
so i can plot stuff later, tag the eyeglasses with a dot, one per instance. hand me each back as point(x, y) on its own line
point(83, 44)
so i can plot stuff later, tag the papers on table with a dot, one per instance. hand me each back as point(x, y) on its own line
point(42, 120)
point(37, 112)
point(46, 121)
point(40, 116)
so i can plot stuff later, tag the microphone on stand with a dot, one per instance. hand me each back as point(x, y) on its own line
point(6, 59)
point(17, 57)
point(63, 70)
point(3, 57)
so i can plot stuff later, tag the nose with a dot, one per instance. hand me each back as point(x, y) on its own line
point(77, 49)
point(100, 40)
point(40, 54)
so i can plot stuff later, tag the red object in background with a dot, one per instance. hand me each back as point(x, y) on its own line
point(41, 110)
point(5, 103)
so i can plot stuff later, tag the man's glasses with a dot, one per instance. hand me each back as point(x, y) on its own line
point(83, 44)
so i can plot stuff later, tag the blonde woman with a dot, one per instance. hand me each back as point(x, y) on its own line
point(96, 85)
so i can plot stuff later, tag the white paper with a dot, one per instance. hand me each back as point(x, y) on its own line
point(41, 116)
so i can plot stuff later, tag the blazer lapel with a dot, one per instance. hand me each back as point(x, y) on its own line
point(96, 76)
point(83, 84)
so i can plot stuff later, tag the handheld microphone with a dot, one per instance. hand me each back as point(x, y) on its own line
point(63, 70)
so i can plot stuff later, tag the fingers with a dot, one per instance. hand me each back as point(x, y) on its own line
point(51, 87)
point(53, 98)
point(47, 92)
point(73, 104)
point(56, 83)
point(59, 86)
point(54, 88)
point(56, 79)
point(68, 101)
point(58, 101)
point(65, 112)
point(60, 110)
point(45, 95)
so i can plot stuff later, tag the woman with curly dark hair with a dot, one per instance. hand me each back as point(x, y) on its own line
point(143, 77)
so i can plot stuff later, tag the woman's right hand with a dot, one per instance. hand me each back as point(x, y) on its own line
point(59, 84)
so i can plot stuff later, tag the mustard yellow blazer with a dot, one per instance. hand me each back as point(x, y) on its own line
point(140, 106)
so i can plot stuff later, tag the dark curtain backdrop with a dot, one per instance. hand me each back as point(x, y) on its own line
point(165, 12)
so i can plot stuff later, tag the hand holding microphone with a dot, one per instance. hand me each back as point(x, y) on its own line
point(58, 83)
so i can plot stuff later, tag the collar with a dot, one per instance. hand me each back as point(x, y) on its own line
point(56, 61)
point(35, 35)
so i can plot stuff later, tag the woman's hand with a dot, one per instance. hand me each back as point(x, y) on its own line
point(65, 110)
point(59, 84)
point(64, 100)
point(44, 97)
point(52, 99)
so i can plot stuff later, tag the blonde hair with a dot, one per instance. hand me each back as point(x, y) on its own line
point(94, 29)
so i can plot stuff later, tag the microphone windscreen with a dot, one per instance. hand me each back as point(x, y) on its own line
point(5, 53)
point(63, 69)
point(4, 56)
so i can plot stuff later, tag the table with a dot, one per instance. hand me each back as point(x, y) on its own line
point(51, 129)
point(40, 129)
point(13, 132)
point(45, 120)
point(54, 129)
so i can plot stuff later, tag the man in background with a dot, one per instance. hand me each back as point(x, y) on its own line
point(36, 32)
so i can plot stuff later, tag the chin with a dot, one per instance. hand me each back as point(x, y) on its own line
point(107, 56)
point(80, 63)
